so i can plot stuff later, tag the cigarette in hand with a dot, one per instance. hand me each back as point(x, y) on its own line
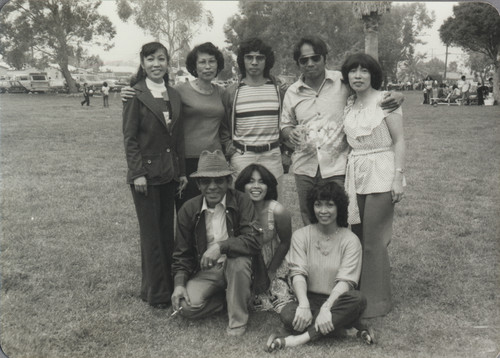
point(176, 311)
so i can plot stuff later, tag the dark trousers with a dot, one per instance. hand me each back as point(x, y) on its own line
point(191, 189)
point(86, 99)
point(305, 183)
point(156, 223)
point(346, 312)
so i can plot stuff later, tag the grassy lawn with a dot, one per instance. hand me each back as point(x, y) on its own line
point(70, 261)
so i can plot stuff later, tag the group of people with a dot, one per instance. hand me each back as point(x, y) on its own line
point(463, 91)
point(88, 91)
point(212, 157)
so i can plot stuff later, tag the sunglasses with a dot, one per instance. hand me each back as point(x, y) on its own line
point(305, 59)
point(258, 58)
point(208, 181)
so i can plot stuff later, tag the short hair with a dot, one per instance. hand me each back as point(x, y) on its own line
point(146, 50)
point(365, 61)
point(208, 48)
point(257, 45)
point(267, 177)
point(318, 45)
point(329, 191)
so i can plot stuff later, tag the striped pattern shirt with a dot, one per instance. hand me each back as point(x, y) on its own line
point(257, 115)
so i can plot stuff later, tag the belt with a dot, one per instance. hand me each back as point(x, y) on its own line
point(256, 148)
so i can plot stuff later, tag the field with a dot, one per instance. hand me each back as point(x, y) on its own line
point(70, 261)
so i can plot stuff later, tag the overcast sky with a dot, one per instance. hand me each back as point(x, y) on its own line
point(129, 37)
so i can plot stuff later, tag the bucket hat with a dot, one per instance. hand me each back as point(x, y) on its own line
point(212, 165)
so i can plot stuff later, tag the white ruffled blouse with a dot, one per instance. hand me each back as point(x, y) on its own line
point(370, 166)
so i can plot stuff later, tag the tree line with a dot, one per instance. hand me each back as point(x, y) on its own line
point(58, 30)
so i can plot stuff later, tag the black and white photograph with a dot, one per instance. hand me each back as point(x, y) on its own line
point(252, 178)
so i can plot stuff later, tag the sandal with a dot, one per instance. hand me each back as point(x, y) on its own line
point(367, 335)
point(275, 343)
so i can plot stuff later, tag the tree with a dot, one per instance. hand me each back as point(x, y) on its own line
point(229, 64)
point(480, 64)
point(176, 21)
point(282, 24)
point(475, 27)
point(398, 34)
point(371, 12)
point(453, 66)
point(55, 29)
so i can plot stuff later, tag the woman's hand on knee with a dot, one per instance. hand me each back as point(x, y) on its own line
point(303, 318)
point(323, 321)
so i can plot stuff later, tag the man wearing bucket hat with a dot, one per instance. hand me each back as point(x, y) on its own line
point(217, 248)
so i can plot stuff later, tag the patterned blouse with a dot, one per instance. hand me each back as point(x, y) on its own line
point(370, 167)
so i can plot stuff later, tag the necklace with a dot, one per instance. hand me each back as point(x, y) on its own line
point(203, 90)
point(325, 242)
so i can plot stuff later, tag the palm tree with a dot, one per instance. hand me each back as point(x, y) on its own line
point(370, 12)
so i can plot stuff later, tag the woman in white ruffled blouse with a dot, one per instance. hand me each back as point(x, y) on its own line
point(375, 175)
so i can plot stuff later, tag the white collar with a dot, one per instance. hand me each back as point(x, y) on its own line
point(156, 88)
point(204, 206)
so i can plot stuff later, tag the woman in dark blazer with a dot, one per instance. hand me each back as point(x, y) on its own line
point(154, 147)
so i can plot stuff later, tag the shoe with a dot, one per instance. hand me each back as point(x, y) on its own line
point(367, 335)
point(274, 343)
point(236, 332)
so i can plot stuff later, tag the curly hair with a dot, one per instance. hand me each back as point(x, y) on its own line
point(149, 49)
point(206, 48)
point(329, 191)
point(255, 44)
point(365, 61)
point(267, 177)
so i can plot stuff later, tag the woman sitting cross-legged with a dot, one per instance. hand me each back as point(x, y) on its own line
point(261, 186)
point(325, 265)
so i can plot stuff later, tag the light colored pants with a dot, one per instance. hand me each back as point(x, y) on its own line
point(206, 291)
point(270, 159)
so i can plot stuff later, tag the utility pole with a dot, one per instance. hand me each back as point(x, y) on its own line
point(445, 63)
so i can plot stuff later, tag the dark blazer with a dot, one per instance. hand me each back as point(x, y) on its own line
point(153, 148)
point(245, 238)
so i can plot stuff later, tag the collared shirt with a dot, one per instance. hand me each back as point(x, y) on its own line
point(320, 117)
point(215, 223)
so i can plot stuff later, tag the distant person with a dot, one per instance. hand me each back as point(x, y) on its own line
point(325, 265)
point(217, 248)
point(105, 94)
point(261, 186)
point(375, 176)
point(464, 86)
point(154, 147)
point(427, 89)
point(202, 110)
point(312, 120)
point(482, 92)
point(86, 95)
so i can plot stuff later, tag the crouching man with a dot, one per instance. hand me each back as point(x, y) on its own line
point(217, 242)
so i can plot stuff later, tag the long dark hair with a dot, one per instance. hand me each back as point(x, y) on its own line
point(149, 49)
point(267, 177)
